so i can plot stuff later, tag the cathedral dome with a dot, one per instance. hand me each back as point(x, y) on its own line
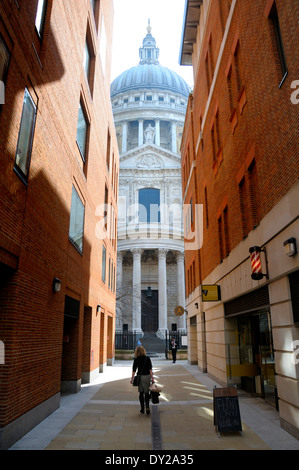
point(149, 73)
point(149, 76)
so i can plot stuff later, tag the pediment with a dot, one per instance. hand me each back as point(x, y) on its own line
point(149, 157)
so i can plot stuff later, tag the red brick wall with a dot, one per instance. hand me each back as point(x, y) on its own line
point(34, 219)
point(256, 136)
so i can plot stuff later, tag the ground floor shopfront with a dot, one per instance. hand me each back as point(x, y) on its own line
point(250, 337)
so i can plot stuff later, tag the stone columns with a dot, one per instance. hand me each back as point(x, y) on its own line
point(119, 270)
point(181, 287)
point(124, 138)
point(162, 292)
point(140, 133)
point(157, 135)
point(173, 138)
point(136, 314)
point(119, 276)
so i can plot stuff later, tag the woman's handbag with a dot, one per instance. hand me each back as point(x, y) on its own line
point(136, 380)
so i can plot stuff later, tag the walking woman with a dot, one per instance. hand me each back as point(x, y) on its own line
point(143, 365)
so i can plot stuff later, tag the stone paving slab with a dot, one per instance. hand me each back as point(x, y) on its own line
point(104, 415)
point(111, 419)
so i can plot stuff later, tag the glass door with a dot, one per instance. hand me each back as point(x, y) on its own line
point(268, 380)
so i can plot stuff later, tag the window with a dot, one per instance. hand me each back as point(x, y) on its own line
point(276, 37)
point(77, 221)
point(93, 5)
point(223, 233)
point(82, 129)
point(4, 62)
point(25, 139)
point(109, 274)
point(243, 202)
point(253, 193)
point(104, 264)
point(40, 16)
point(89, 60)
point(86, 60)
point(149, 205)
point(108, 150)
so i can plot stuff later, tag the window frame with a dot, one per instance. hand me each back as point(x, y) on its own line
point(17, 168)
point(78, 247)
point(276, 31)
point(3, 78)
point(83, 152)
point(40, 25)
point(104, 262)
point(148, 206)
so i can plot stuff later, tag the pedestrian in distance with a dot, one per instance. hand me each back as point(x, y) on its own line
point(143, 366)
point(173, 347)
point(139, 343)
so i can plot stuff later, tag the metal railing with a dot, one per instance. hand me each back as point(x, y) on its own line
point(125, 340)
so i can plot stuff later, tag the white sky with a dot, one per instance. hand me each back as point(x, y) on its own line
point(130, 23)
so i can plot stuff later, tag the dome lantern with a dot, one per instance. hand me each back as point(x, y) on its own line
point(149, 53)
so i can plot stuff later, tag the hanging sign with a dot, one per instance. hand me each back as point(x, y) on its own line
point(179, 311)
point(210, 293)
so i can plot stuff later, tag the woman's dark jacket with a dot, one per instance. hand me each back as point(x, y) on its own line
point(143, 365)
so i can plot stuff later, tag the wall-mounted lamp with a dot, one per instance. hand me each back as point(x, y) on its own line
point(196, 304)
point(256, 263)
point(98, 308)
point(290, 246)
point(56, 285)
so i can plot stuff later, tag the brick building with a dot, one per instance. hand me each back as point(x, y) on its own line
point(59, 166)
point(240, 168)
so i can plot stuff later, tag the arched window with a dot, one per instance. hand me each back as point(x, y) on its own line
point(149, 205)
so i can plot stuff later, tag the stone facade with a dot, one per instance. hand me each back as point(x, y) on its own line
point(149, 103)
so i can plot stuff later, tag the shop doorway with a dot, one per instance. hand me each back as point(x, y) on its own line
point(256, 347)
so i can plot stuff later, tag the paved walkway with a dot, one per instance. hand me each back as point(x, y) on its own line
point(105, 415)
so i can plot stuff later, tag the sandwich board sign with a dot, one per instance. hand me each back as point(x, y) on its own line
point(226, 410)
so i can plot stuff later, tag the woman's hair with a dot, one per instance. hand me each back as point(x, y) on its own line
point(140, 351)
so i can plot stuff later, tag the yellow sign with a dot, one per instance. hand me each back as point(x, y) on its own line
point(179, 311)
point(210, 293)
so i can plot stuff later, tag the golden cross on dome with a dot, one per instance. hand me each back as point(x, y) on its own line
point(149, 28)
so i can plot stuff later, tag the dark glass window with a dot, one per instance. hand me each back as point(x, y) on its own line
point(280, 58)
point(4, 62)
point(40, 16)
point(149, 205)
point(25, 139)
point(82, 129)
point(77, 221)
point(104, 254)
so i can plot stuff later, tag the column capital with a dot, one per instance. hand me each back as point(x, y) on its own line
point(136, 253)
point(180, 256)
point(162, 252)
